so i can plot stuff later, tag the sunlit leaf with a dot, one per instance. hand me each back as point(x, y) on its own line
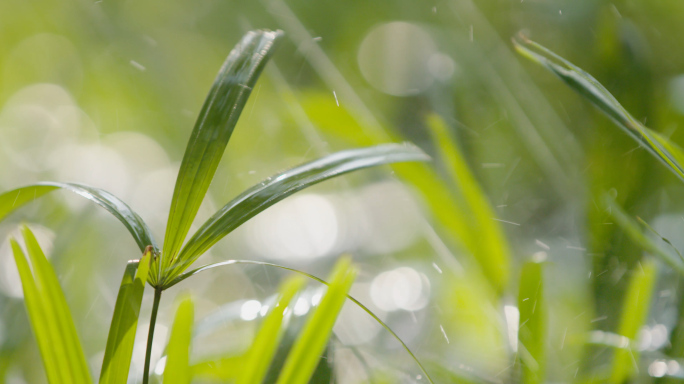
point(214, 126)
point(222, 370)
point(50, 316)
point(587, 86)
point(177, 369)
point(266, 342)
point(282, 185)
point(492, 251)
point(532, 332)
point(14, 199)
point(117, 358)
point(635, 309)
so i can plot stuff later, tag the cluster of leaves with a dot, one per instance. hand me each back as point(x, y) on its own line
point(165, 267)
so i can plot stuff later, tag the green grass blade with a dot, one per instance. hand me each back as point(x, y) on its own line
point(57, 325)
point(196, 271)
point(178, 369)
point(493, 252)
point(635, 233)
point(214, 126)
point(14, 199)
point(266, 341)
point(532, 332)
point(587, 86)
point(634, 312)
point(56, 369)
point(282, 185)
point(303, 358)
point(117, 358)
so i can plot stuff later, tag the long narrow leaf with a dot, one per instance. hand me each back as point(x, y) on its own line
point(579, 80)
point(119, 350)
point(177, 369)
point(532, 332)
point(57, 326)
point(266, 341)
point(214, 126)
point(14, 199)
point(352, 299)
point(634, 311)
point(282, 185)
point(303, 358)
point(492, 251)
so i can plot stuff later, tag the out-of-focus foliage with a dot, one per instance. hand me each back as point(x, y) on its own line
point(105, 93)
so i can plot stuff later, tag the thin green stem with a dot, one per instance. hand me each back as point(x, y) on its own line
point(150, 334)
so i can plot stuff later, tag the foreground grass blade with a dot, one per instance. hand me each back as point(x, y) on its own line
point(266, 341)
point(14, 199)
point(493, 252)
point(117, 358)
point(532, 332)
point(353, 300)
point(49, 315)
point(634, 312)
point(303, 358)
point(635, 233)
point(177, 370)
point(214, 126)
point(282, 185)
point(582, 82)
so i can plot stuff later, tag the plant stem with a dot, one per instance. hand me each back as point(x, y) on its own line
point(150, 334)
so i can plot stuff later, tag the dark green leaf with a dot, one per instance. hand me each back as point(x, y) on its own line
point(14, 199)
point(117, 358)
point(282, 185)
point(214, 126)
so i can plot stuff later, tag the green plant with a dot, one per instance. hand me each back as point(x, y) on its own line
point(165, 267)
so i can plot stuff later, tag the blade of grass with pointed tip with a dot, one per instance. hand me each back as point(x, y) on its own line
point(119, 349)
point(632, 229)
point(532, 332)
point(303, 358)
point(266, 342)
point(196, 271)
point(634, 312)
point(214, 126)
point(14, 199)
point(177, 369)
point(493, 253)
point(57, 325)
point(587, 86)
point(282, 185)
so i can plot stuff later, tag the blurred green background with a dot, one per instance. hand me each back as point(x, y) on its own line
point(106, 92)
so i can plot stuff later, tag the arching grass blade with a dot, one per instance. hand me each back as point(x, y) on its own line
point(117, 358)
point(282, 185)
point(532, 332)
point(14, 199)
point(50, 316)
point(303, 358)
point(266, 342)
point(214, 126)
point(177, 369)
point(587, 86)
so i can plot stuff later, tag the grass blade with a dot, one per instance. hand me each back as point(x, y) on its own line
point(14, 199)
point(634, 312)
point(50, 316)
point(587, 86)
point(117, 358)
point(267, 340)
point(492, 251)
point(177, 369)
point(282, 185)
point(214, 126)
point(303, 358)
point(632, 229)
point(532, 332)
